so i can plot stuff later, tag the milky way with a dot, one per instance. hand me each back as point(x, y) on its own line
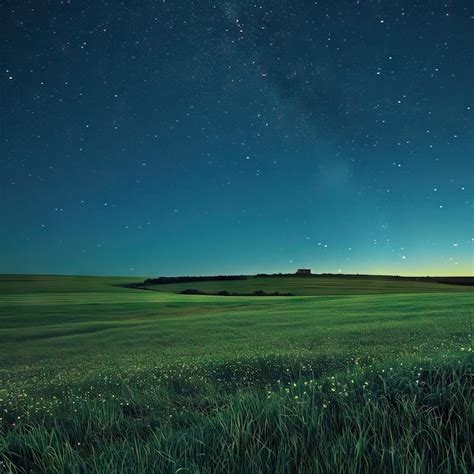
point(160, 138)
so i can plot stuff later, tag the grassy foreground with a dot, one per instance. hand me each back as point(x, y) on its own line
point(98, 378)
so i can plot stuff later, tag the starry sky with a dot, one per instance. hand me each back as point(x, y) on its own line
point(175, 137)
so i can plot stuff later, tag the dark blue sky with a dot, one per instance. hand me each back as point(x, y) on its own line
point(181, 137)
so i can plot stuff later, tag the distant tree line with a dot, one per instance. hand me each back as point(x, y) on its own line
point(190, 279)
point(194, 291)
point(465, 281)
point(469, 281)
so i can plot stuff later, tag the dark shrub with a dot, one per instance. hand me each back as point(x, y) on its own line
point(192, 291)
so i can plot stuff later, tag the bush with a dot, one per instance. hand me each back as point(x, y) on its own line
point(192, 291)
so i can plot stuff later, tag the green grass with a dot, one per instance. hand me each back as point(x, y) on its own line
point(99, 378)
point(316, 285)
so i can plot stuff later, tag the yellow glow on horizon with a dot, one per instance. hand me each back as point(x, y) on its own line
point(435, 269)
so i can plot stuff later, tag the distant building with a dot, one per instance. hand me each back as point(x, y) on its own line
point(303, 271)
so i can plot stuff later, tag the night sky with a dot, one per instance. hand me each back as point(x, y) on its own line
point(190, 137)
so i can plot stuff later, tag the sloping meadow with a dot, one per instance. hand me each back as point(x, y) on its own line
point(111, 380)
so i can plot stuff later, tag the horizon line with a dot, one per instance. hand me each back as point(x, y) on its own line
point(84, 275)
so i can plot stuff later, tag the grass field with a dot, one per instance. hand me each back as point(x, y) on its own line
point(312, 286)
point(364, 375)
